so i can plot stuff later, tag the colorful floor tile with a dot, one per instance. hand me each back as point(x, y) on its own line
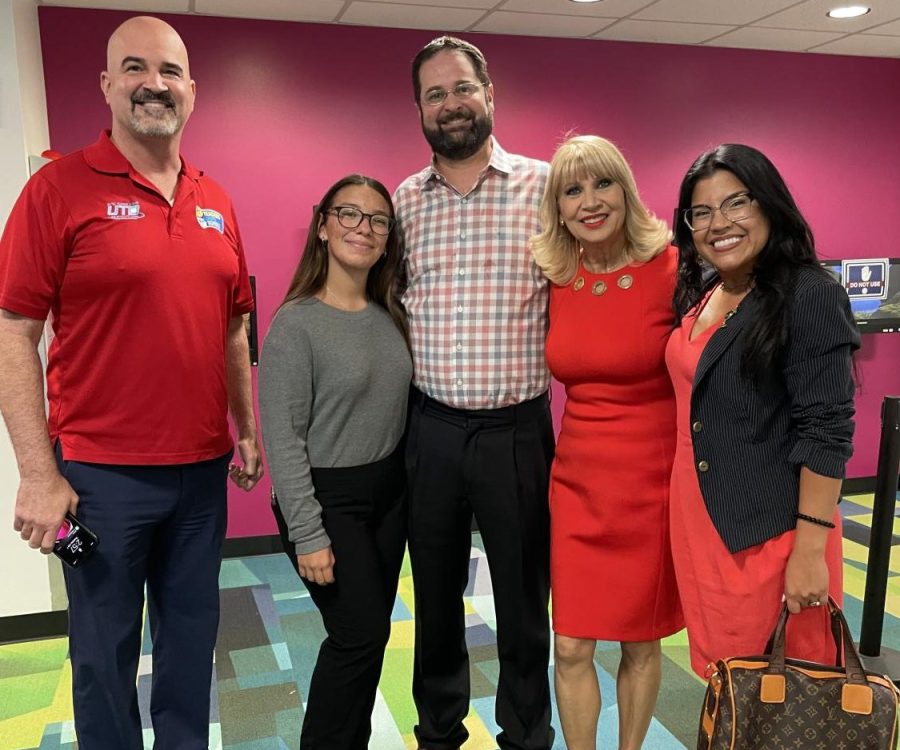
point(269, 638)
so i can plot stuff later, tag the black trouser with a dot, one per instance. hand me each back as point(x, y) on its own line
point(494, 463)
point(364, 514)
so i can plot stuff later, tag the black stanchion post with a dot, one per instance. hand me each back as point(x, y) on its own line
point(878, 659)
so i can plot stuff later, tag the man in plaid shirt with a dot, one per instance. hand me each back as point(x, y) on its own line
point(480, 437)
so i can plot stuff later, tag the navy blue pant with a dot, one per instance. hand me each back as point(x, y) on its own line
point(162, 526)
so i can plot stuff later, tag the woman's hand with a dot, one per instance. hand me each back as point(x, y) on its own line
point(317, 567)
point(805, 580)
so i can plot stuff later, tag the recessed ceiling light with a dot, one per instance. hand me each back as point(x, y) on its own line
point(848, 11)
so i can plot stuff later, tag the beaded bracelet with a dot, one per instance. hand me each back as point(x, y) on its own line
point(813, 519)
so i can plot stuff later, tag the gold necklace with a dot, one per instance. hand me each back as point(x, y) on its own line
point(341, 304)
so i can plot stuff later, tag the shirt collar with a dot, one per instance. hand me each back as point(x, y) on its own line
point(499, 162)
point(103, 156)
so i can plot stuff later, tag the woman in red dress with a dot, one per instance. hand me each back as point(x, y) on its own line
point(761, 366)
point(612, 274)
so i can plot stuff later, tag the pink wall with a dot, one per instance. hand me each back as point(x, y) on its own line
point(284, 109)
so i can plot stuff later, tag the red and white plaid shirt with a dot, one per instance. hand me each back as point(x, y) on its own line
point(477, 303)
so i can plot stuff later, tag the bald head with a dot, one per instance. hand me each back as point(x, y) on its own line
point(142, 30)
point(147, 82)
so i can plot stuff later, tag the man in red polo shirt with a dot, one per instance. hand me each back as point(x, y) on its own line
point(136, 257)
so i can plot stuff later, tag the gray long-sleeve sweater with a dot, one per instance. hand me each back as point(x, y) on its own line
point(333, 388)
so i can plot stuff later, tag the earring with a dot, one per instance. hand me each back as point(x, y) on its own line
point(562, 222)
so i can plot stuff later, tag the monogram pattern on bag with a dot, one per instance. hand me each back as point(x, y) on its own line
point(811, 717)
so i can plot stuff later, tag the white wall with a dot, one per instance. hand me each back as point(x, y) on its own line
point(30, 582)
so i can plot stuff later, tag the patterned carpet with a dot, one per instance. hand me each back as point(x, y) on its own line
point(269, 639)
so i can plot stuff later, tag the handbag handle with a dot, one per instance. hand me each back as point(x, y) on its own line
point(840, 631)
point(837, 634)
point(857, 696)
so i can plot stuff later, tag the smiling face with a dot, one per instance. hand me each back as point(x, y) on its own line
point(456, 128)
point(731, 247)
point(359, 248)
point(147, 81)
point(593, 210)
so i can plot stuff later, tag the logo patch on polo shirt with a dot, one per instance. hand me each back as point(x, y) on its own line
point(210, 219)
point(120, 211)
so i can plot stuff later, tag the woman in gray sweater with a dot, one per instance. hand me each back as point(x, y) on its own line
point(333, 386)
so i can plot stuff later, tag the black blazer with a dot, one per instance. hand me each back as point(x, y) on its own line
point(751, 440)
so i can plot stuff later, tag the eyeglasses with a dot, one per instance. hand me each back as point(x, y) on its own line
point(436, 97)
point(350, 218)
point(736, 208)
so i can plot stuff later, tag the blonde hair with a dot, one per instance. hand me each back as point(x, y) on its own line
point(584, 157)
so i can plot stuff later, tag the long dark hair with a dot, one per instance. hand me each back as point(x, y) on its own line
point(790, 247)
point(386, 280)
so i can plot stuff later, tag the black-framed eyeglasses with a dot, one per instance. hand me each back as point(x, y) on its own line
point(464, 90)
point(736, 208)
point(350, 218)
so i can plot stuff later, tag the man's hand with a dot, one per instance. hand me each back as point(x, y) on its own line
point(41, 506)
point(317, 567)
point(251, 472)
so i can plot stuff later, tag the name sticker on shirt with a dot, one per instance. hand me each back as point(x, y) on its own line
point(210, 219)
point(124, 211)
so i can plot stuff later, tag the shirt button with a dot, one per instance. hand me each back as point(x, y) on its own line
point(462, 271)
point(703, 466)
point(459, 381)
point(462, 235)
point(458, 346)
point(697, 426)
point(459, 308)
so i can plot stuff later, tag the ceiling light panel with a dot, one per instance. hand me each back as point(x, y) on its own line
point(848, 11)
point(813, 15)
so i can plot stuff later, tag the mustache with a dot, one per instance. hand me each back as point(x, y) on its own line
point(461, 114)
point(144, 96)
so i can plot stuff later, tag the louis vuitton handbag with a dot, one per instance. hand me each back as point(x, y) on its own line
point(769, 702)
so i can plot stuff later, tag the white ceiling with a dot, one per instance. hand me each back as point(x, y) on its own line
point(787, 25)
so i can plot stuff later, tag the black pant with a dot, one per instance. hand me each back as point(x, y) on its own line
point(495, 463)
point(364, 514)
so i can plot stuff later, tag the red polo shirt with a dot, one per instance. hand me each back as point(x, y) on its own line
point(141, 294)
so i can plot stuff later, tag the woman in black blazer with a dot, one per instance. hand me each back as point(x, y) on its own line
point(761, 364)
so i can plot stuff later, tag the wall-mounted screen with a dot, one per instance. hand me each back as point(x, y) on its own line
point(873, 285)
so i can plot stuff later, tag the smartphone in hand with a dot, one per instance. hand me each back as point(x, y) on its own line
point(75, 542)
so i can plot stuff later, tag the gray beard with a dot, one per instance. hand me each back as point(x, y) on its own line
point(460, 145)
point(155, 128)
point(165, 125)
